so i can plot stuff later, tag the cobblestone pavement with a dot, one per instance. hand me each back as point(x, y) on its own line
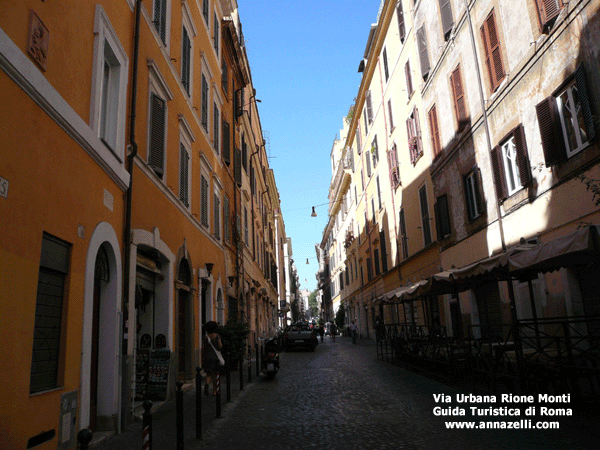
point(343, 397)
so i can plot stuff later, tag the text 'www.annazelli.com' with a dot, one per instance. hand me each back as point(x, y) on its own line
point(524, 424)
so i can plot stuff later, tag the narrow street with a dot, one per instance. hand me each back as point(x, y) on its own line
point(342, 397)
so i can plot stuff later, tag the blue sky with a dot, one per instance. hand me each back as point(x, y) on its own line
point(304, 57)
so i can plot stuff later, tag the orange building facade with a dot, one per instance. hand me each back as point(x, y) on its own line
point(137, 205)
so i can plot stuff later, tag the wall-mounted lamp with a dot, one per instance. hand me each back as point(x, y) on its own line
point(307, 262)
point(314, 213)
point(231, 279)
point(209, 268)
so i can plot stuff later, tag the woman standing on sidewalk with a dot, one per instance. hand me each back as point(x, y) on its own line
point(211, 343)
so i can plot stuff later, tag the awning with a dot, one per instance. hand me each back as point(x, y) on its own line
point(580, 247)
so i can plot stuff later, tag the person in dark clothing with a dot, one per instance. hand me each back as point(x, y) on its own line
point(210, 360)
point(321, 331)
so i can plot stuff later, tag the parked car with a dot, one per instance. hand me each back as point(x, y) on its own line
point(300, 335)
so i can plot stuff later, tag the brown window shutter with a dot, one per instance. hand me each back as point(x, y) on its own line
point(435, 132)
point(237, 166)
point(585, 102)
point(401, 24)
point(548, 10)
point(423, 55)
point(447, 20)
point(157, 135)
point(493, 53)
point(522, 158)
point(409, 86)
point(498, 172)
point(459, 97)
point(226, 143)
point(553, 143)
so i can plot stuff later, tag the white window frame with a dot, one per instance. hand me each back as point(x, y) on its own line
point(511, 167)
point(107, 48)
point(573, 121)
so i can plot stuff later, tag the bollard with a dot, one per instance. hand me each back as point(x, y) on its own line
point(198, 404)
point(218, 391)
point(241, 374)
point(84, 437)
point(228, 380)
point(147, 426)
point(179, 415)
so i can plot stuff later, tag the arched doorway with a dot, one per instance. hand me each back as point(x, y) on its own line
point(184, 320)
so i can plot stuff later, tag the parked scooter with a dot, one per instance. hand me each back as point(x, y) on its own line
point(270, 359)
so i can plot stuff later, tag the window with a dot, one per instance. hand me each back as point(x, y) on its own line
point(226, 219)
point(391, 116)
point(423, 55)
point(217, 216)
point(493, 53)
point(47, 348)
point(244, 154)
point(375, 152)
point(368, 161)
point(383, 246)
point(393, 166)
point(186, 60)
point(158, 118)
point(415, 146)
point(447, 20)
point(369, 109)
point(224, 76)
point(376, 260)
point(472, 195)
point(458, 93)
point(246, 235)
point(216, 126)
point(510, 164)
point(403, 236)
point(206, 10)
point(401, 24)
point(369, 269)
point(109, 85)
point(204, 103)
point(358, 140)
point(216, 33)
point(442, 217)
point(435, 132)
point(184, 175)
point(409, 86)
point(160, 19)
point(566, 121)
point(548, 10)
point(425, 216)
point(226, 143)
point(204, 201)
point(386, 70)
point(378, 194)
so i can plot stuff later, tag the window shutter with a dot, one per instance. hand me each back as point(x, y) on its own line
point(392, 156)
point(383, 245)
point(185, 60)
point(204, 199)
point(216, 212)
point(160, 19)
point(498, 172)
point(204, 103)
point(553, 143)
point(409, 86)
point(237, 164)
point(226, 143)
point(438, 220)
point(548, 10)
point(368, 158)
point(584, 101)
point(493, 54)
point(183, 175)
point(401, 24)
point(157, 134)
point(385, 65)
point(522, 157)
point(459, 97)
point(216, 127)
point(435, 132)
point(369, 107)
point(478, 190)
point(447, 20)
point(418, 132)
point(375, 151)
point(423, 55)
point(358, 141)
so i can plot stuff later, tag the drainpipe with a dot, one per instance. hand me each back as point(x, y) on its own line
point(511, 291)
point(125, 363)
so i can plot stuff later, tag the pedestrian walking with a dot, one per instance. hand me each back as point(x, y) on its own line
point(322, 331)
point(333, 331)
point(212, 360)
point(353, 332)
